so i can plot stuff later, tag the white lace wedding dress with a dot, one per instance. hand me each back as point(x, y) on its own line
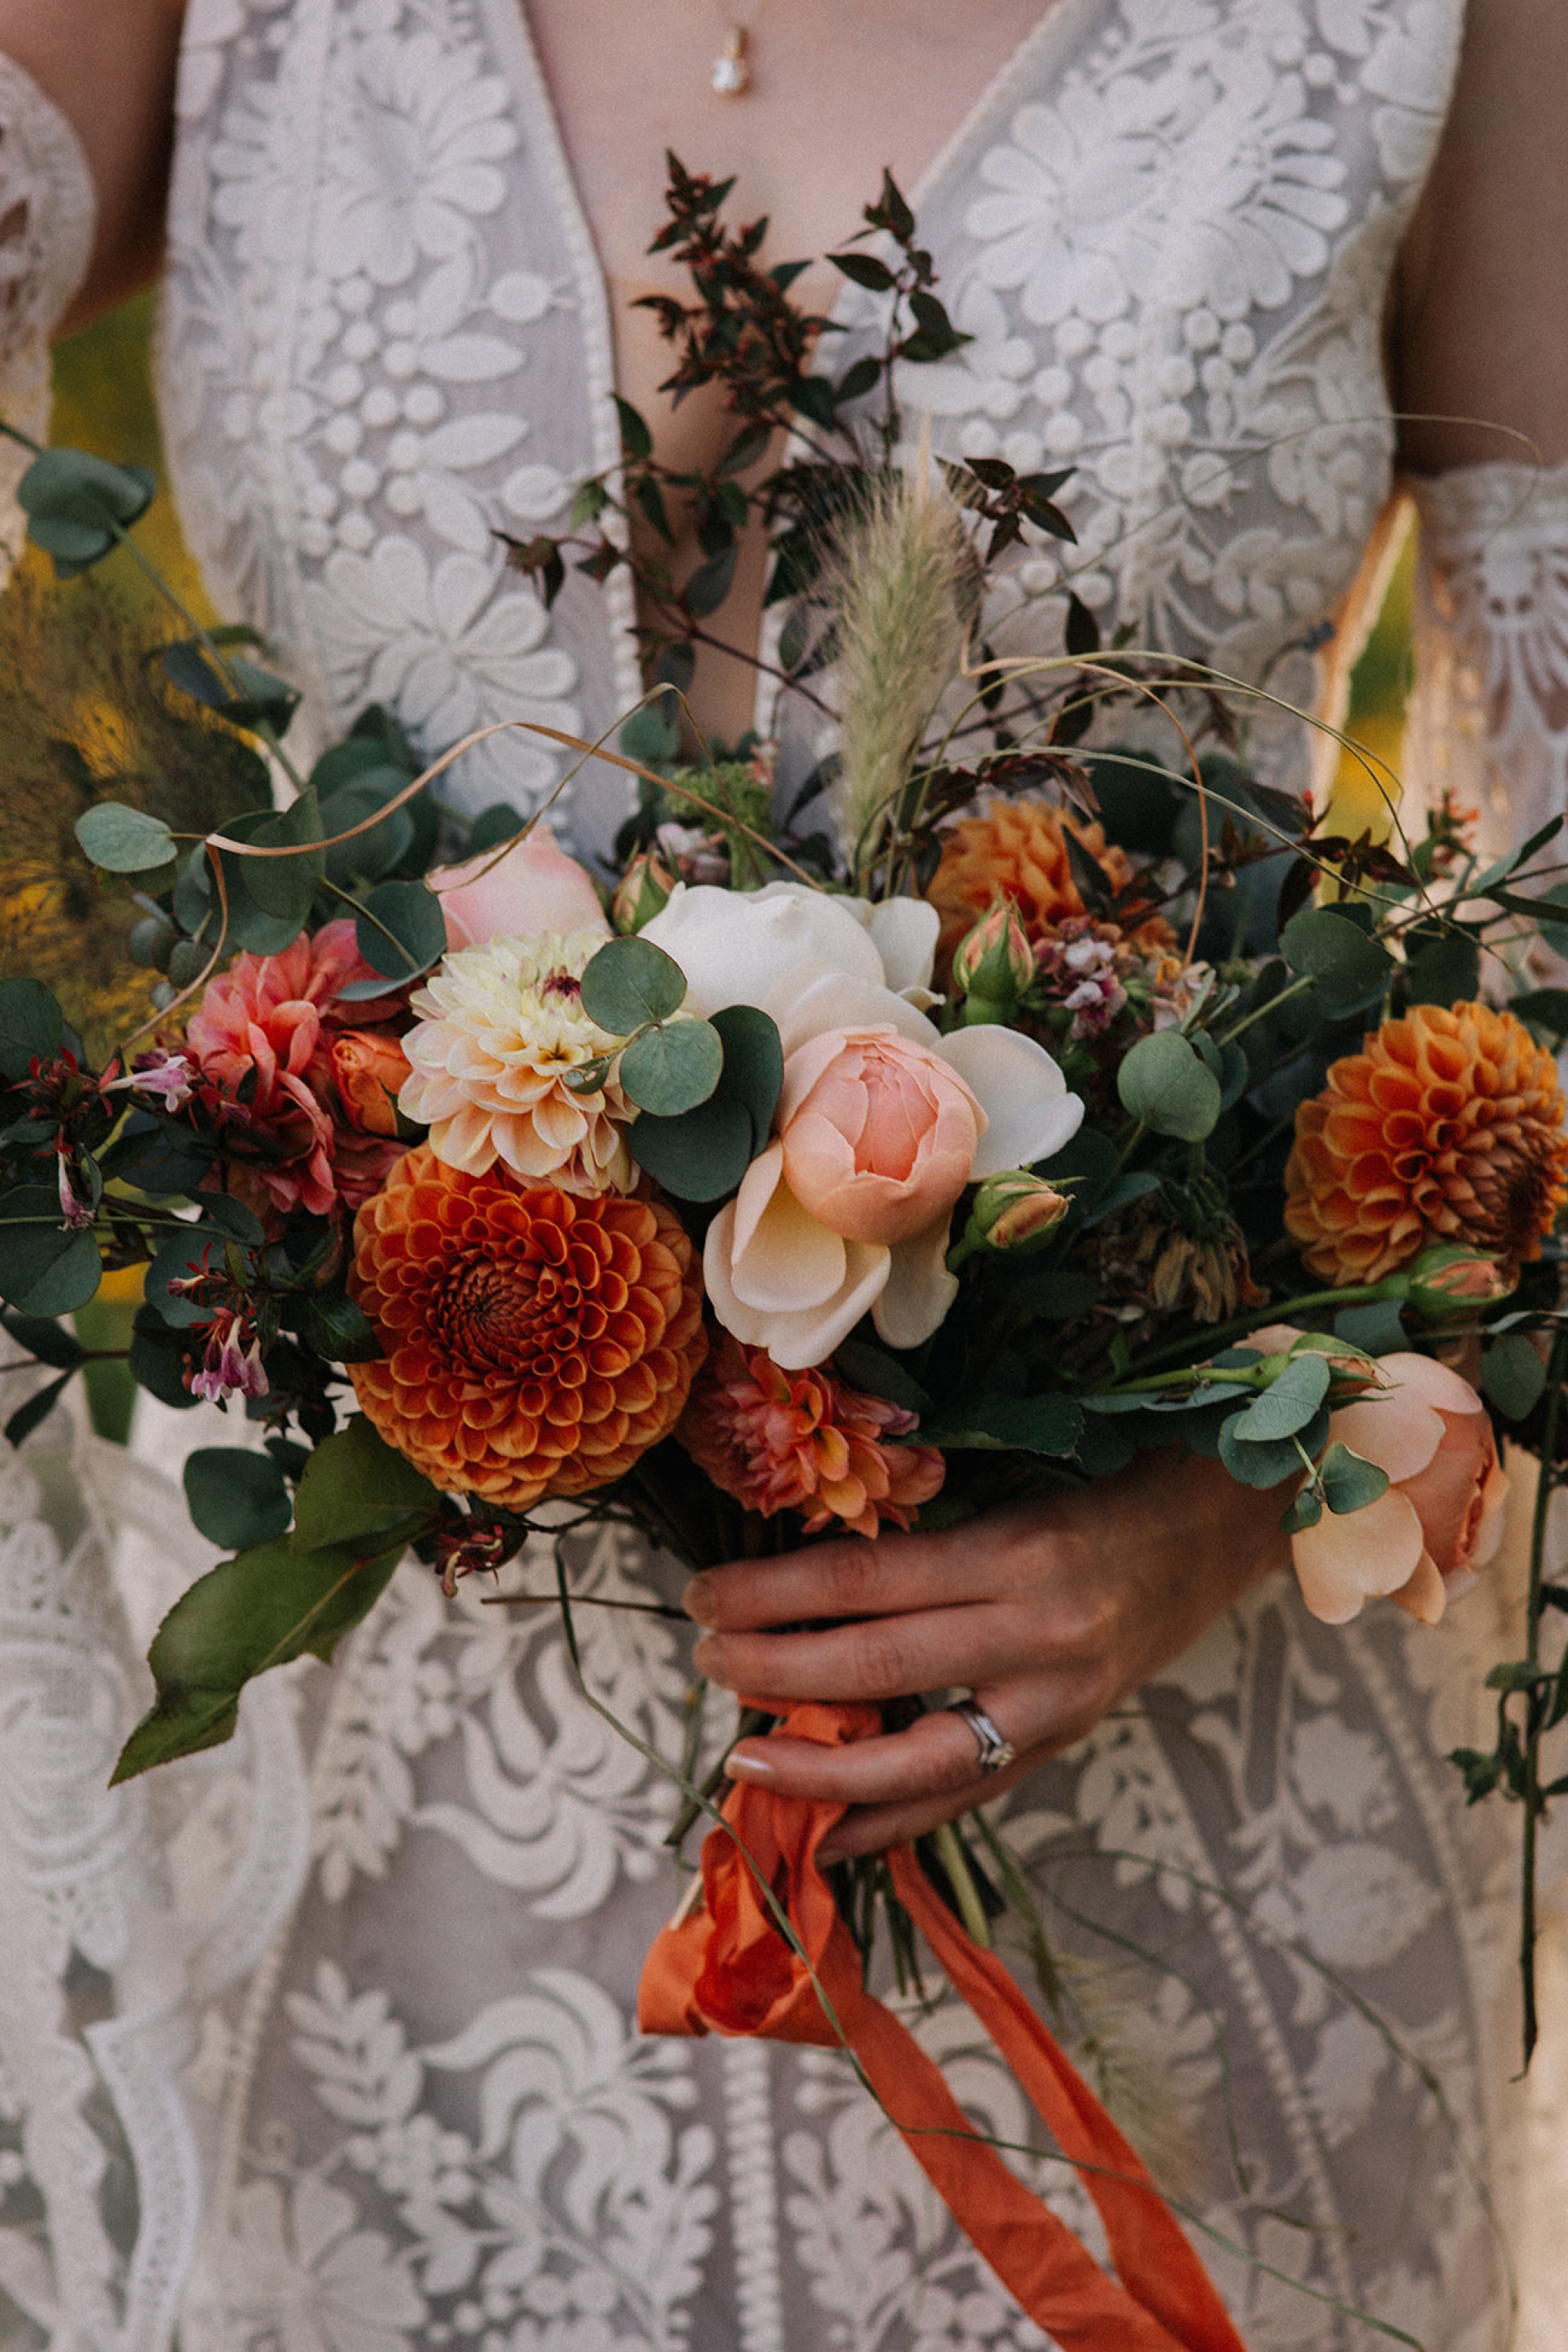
point(322, 2043)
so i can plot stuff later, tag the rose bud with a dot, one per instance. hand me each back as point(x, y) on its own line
point(1446, 1281)
point(642, 892)
point(1015, 1212)
point(993, 965)
point(531, 886)
point(368, 1067)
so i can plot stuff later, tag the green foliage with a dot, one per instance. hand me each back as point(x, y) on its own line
point(124, 840)
point(78, 505)
point(1349, 967)
point(1166, 1083)
point(232, 689)
point(1051, 1424)
point(31, 1027)
point(671, 1069)
point(1286, 1405)
point(1349, 1482)
point(357, 1488)
point(402, 932)
point(46, 1267)
point(703, 1154)
point(630, 983)
point(236, 1497)
point(262, 1608)
point(1513, 1375)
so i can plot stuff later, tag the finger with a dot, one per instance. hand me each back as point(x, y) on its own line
point(933, 1757)
point(849, 1578)
point(885, 1657)
point(872, 1829)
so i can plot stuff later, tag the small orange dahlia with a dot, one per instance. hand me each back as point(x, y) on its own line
point(805, 1442)
point(1448, 1125)
point(1019, 848)
point(536, 1341)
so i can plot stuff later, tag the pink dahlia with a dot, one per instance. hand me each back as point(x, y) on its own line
point(265, 1034)
point(805, 1441)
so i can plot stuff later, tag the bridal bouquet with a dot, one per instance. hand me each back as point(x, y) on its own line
point(1029, 1096)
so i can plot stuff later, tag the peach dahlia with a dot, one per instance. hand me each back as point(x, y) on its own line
point(1448, 1125)
point(537, 1342)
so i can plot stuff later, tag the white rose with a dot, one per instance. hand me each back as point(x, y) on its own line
point(738, 947)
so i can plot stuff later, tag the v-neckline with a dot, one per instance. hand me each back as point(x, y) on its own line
point(517, 53)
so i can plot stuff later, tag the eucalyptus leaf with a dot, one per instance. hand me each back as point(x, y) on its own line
point(1165, 1084)
point(700, 1156)
point(1287, 1404)
point(46, 1267)
point(630, 983)
point(236, 1497)
point(402, 932)
point(123, 840)
point(43, 1337)
point(285, 886)
point(1327, 946)
point(1377, 1327)
point(753, 1066)
point(238, 690)
point(1350, 1481)
point(1513, 1375)
point(77, 505)
point(672, 1070)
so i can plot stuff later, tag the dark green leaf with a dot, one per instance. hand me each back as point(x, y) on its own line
point(636, 441)
point(1446, 971)
point(865, 269)
point(238, 690)
point(260, 1609)
point(1081, 636)
point(652, 735)
point(50, 1341)
point(677, 666)
point(1304, 1512)
point(38, 1409)
point(1264, 1463)
point(744, 450)
point(1287, 1404)
point(32, 1028)
point(1348, 966)
point(630, 983)
point(753, 1066)
point(183, 1257)
point(1378, 1328)
point(157, 1361)
point(499, 822)
point(285, 886)
point(858, 378)
point(1120, 1194)
point(871, 1370)
point(77, 504)
point(701, 1156)
point(1044, 1424)
point(412, 913)
point(671, 1069)
point(1350, 1483)
point(340, 1330)
point(123, 840)
point(46, 1269)
point(1543, 1008)
point(811, 396)
point(711, 583)
point(236, 1497)
point(1163, 1083)
point(1051, 1298)
point(1512, 1375)
point(356, 1486)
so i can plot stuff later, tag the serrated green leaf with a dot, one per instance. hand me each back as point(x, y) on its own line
point(260, 1609)
point(630, 983)
point(236, 1497)
point(123, 840)
point(1287, 1404)
point(356, 1486)
point(1164, 1083)
point(672, 1070)
point(32, 1027)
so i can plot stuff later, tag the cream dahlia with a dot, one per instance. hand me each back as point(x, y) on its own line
point(499, 1030)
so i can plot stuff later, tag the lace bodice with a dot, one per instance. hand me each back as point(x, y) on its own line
point(349, 2001)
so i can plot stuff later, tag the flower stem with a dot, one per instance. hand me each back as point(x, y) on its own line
point(960, 1878)
point(1537, 1702)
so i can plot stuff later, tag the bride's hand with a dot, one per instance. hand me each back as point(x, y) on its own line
point(1052, 1613)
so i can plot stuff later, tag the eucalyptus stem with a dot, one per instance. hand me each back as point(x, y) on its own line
point(1353, 1294)
point(1557, 1371)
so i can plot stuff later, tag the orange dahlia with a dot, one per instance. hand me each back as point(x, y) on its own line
point(536, 1341)
point(1448, 1125)
point(1019, 848)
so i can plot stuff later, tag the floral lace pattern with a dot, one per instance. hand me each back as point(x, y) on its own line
point(48, 214)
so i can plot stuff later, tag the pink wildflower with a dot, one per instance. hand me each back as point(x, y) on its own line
point(805, 1441)
point(75, 1210)
point(228, 1366)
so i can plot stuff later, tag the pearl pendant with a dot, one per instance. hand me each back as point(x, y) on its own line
point(731, 75)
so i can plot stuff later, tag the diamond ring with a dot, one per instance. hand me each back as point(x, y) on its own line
point(995, 1751)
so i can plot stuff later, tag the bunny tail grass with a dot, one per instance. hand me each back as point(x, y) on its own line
point(899, 595)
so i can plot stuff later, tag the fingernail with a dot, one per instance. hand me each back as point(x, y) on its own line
point(740, 1766)
point(698, 1598)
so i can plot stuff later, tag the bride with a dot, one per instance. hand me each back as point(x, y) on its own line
point(322, 2043)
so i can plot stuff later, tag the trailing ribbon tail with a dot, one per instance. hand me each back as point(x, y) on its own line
point(725, 1968)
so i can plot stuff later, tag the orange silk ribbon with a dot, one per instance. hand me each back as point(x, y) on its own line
point(726, 1970)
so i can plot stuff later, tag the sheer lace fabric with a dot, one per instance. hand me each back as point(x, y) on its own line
point(398, 1924)
point(48, 213)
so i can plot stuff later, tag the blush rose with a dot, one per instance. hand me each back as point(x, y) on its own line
point(530, 887)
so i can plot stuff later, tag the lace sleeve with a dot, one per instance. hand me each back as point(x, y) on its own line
point(1489, 717)
point(48, 214)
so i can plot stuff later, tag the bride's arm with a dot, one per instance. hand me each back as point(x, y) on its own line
point(109, 66)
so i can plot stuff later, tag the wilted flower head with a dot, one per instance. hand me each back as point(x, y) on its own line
point(807, 1442)
point(501, 1029)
